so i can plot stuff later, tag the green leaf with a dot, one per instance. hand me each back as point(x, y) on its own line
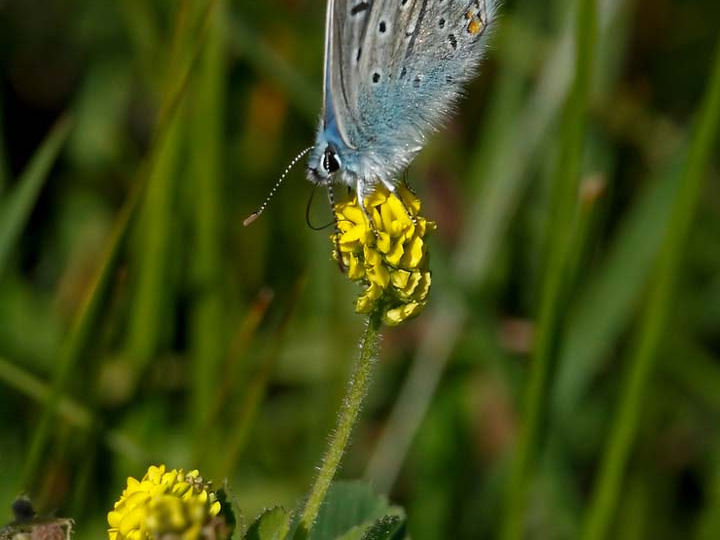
point(226, 510)
point(272, 524)
point(386, 528)
point(15, 209)
point(351, 511)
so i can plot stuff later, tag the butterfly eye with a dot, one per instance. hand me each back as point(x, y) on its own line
point(331, 161)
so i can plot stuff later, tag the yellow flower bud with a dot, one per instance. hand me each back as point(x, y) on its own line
point(390, 257)
point(163, 503)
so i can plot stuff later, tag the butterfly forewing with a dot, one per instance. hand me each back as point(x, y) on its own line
point(393, 70)
point(340, 92)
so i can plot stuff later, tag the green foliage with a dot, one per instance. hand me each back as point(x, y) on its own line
point(352, 511)
point(16, 206)
point(577, 255)
point(273, 524)
point(563, 227)
point(385, 528)
point(655, 318)
point(226, 510)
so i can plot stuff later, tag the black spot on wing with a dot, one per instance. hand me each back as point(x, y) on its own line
point(361, 32)
point(418, 26)
point(362, 6)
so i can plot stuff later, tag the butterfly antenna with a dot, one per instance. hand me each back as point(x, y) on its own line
point(252, 217)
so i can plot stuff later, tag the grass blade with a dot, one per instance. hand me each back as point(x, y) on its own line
point(266, 61)
point(4, 173)
point(16, 207)
point(605, 305)
point(155, 287)
point(86, 321)
point(76, 414)
point(255, 391)
point(554, 288)
point(153, 291)
point(655, 318)
point(209, 317)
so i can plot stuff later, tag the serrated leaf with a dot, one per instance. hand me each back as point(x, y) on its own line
point(386, 528)
point(272, 524)
point(349, 511)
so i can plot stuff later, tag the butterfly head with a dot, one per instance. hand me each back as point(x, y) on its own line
point(325, 161)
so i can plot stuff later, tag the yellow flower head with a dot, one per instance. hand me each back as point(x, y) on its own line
point(390, 257)
point(164, 504)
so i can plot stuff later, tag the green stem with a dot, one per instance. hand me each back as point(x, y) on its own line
point(356, 392)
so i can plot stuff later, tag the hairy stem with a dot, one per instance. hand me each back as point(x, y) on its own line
point(349, 411)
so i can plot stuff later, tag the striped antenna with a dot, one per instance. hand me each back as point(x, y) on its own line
point(252, 217)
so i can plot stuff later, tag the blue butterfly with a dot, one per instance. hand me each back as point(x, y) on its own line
point(393, 70)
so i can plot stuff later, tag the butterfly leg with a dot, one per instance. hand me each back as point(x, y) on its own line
point(393, 190)
point(407, 184)
point(338, 253)
point(361, 201)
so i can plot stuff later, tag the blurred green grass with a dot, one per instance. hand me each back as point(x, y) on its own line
point(140, 322)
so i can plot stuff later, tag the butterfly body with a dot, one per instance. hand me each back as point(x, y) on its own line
point(393, 71)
